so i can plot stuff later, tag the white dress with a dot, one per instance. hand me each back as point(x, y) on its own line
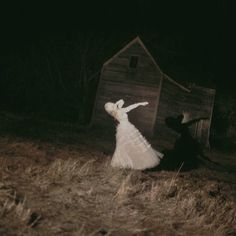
point(132, 149)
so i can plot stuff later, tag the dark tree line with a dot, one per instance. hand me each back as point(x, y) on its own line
point(55, 76)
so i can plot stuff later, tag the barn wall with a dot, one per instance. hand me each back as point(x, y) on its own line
point(169, 105)
point(118, 81)
point(197, 103)
point(200, 103)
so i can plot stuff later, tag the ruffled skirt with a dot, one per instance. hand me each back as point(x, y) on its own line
point(132, 149)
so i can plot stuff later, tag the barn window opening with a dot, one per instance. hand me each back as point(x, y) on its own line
point(133, 62)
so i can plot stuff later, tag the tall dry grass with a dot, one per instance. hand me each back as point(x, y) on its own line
point(78, 193)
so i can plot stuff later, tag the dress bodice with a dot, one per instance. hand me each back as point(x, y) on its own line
point(120, 115)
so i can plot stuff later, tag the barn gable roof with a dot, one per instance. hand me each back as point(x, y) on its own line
point(138, 40)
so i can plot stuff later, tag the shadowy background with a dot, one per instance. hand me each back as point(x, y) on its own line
point(51, 54)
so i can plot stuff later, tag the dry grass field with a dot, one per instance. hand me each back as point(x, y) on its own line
point(56, 180)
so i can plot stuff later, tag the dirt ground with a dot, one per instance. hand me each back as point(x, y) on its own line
point(56, 179)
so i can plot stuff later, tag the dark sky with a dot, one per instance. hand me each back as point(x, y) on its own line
point(205, 28)
point(212, 16)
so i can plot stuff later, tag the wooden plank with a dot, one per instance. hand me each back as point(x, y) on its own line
point(129, 94)
point(129, 90)
point(123, 72)
point(128, 84)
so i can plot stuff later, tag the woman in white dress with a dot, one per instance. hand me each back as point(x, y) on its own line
point(132, 149)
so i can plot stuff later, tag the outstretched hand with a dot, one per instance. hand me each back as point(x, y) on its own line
point(133, 106)
point(144, 103)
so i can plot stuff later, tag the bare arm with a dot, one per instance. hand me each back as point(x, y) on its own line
point(195, 120)
point(133, 106)
point(120, 103)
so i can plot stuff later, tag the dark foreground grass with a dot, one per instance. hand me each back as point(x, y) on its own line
point(61, 183)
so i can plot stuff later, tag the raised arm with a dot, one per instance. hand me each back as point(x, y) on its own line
point(133, 106)
point(195, 120)
point(120, 103)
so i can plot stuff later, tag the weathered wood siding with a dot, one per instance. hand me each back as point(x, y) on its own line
point(118, 81)
point(171, 97)
point(197, 103)
point(200, 103)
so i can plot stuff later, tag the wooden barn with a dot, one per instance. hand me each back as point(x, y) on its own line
point(133, 75)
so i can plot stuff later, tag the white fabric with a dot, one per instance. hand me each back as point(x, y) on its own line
point(132, 149)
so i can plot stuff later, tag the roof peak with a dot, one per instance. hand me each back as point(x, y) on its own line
point(138, 39)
